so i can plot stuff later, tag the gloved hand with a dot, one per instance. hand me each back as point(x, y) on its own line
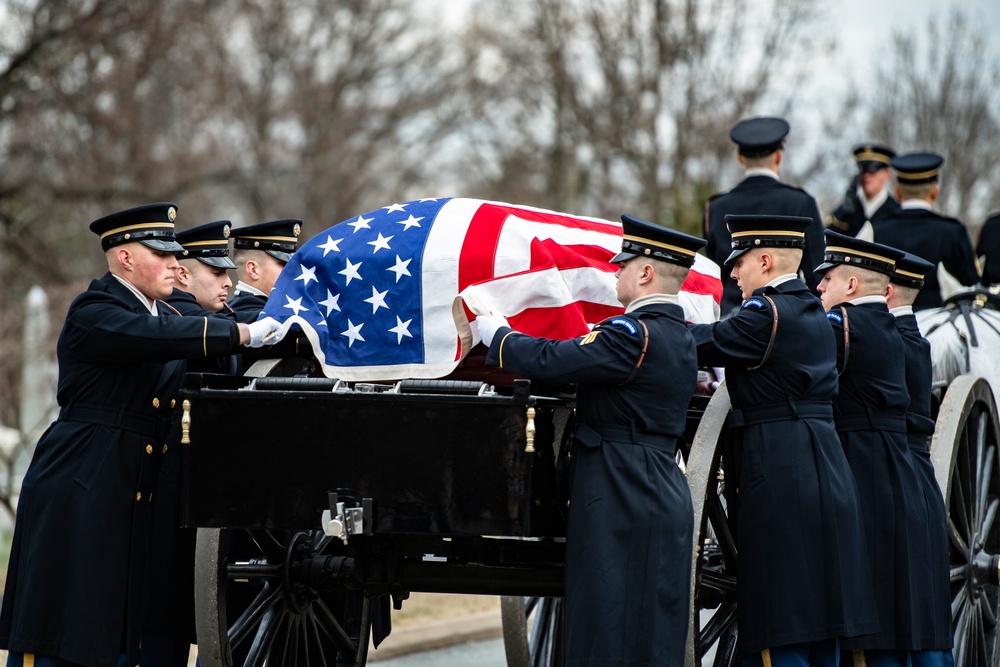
point(488, 325)
point(264, 332)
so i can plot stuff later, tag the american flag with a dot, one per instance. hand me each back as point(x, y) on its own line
point(389, 294)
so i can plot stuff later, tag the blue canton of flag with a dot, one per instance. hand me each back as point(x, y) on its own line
point(356, 289)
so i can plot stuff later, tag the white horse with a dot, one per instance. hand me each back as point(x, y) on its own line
point(965, 338)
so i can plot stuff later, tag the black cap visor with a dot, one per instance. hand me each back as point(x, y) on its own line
point(163, 245)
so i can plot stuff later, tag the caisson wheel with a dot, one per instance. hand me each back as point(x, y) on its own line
point(964, 453)
point(279, 597)
point(712, 634)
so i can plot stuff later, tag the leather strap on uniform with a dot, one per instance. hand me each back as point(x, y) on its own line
point(167, 305)
point(774, 333)
point(642, 355)
point(847, 340)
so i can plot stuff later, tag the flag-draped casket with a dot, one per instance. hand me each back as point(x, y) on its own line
point(389, 295)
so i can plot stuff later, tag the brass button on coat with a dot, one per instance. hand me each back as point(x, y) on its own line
point(149, 449)
point(164, 449)
point(173, 402)
point(156, 402)
point(138, 496)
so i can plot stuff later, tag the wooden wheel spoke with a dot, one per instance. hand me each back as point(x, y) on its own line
point(989, 615)
point(719, 522)
point(268, 544)
point(312, 628)
point(253, 615)
point(959, 573)
point(541, 636)
point(334, 629)
point(957, 540)
point(958, 604)
point(721, 621)
point(264, 640)
point(989, 517)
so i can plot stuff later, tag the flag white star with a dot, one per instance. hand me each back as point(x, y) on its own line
point(395, 207)
point(353, 332)
point(380, 242)
point(307, 275)
point(410, 222)
point(295, 304)
point(377, 299)
point(351, 271)
point(331, 302)
point(400, 268)
point(361, 223)
point(330, 245)
point(429, 199)
point(401, 329)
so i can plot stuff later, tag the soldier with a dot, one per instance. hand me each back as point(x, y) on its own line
point(202, 287)
point(868, 196)
point(803, 582)
point(202, 275)
point(760, 144)
point(627, 585)
point(934, 597)
point(75, 583)
point(261, 252)
point(989, 249)
point(870, 411)
point(915, 228)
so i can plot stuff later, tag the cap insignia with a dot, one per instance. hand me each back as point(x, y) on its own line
point(297, 229)
point(171, 214)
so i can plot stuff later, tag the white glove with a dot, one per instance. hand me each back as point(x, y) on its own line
point(488, 325)
point(264, 332)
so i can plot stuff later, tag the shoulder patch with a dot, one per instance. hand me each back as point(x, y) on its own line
point(623, 322)
point(835, 317)
point(753, 302)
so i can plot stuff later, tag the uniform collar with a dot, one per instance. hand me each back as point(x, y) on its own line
point(146, 302)
point(650, 299)
point(870, 299)
point(872, 205)
point(761, 171)
point(781, 279)
point(243, 288)
point(900, 311)
point(916, 203)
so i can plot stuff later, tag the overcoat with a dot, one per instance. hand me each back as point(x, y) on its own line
point(870, 414)
point(78, 558)
point(764, 195)
point(170, 593)
point(849, 217)
point(799, 531)
point(629, 530)
point(940, 240)
point(936, 602)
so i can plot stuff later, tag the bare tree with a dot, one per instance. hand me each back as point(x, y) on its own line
point(941, 92)
point(599, 105)
point(240, 110)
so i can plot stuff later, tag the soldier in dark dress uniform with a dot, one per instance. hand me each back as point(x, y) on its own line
point(76, 579)
point(870, 413)
point(202, 287)
point(917, 229)
point(868, 196)
point(935, 595)
point(989, 248)
point(803, 581)
point(761, 146)
point(260, 253)
point(629, 532)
